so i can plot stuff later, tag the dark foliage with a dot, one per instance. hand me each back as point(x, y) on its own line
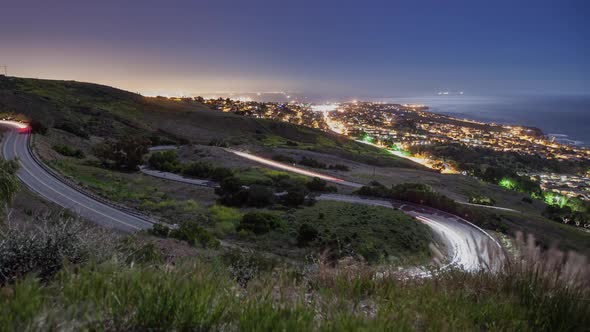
point(126, 153)
point(259, 222)
point(67, 151)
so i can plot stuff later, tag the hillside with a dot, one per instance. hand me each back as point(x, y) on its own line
point(87, 109)
point(258, 252)
point(81, 114)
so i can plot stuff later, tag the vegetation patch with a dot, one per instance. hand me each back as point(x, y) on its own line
point(68, 151)
point(378, 234)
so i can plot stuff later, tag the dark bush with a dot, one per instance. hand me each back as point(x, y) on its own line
point(221, 173)
point(527, 199)
point(339, 167)
point(305, 161)
point(306, 234)
point(45, 248)
point(260, 196)
point(166, 161)
point(231, 192)
point(259, 222)
point(160, 230)
point(194, 234)
point(67, 151)
point(482, 200)
point(126, 153)
point(294, 197)
point(198, 169)
point(317, 184)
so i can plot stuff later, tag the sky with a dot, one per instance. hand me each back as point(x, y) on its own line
point(326, 47)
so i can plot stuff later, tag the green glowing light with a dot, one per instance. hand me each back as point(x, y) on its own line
point(555, 199)
point(507, 183)
point(368, 139)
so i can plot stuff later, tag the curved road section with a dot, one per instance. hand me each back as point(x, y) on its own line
point(469, 247)
point(15, 145)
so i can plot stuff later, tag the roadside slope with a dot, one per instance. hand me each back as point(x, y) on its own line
point(39, 180)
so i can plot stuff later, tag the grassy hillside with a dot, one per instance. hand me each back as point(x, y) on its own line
point(89, 109)
point(80, 279)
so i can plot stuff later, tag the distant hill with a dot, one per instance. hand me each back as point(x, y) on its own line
point(87, 109)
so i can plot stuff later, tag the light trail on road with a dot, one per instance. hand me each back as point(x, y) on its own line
point(293, 169)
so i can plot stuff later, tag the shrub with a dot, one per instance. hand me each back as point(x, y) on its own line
point(194, 234)
point(67, 151)
point(305, 161)
point(306, 234)
point(226, 219)
point(260, 196)
point(339, 167)
point(166, 161)
point(482, 200)
point(294, 197)
point(221, 173)
point(205, 170)
point(317, 184)
point(126, 153)
point(43, 250)
point(232, 192)
point(159, 230)
point(259, 222)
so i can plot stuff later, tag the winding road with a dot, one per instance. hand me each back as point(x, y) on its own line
point(468, 245)
point(15, 145)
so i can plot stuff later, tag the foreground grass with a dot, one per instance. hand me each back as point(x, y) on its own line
point(203, 296)
point(63, 276)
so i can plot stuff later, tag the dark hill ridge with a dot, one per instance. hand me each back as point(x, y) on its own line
point(87, 109)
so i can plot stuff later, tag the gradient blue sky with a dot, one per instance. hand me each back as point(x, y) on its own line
point(348, 48)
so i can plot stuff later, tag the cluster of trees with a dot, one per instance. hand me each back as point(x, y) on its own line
point(423, 194)
point(167, 161)
point(260, 222)
point(125, 154)
point(482, 200)
point(569, 210)
point(309, 162)
point(283, 191)
point(190, 232)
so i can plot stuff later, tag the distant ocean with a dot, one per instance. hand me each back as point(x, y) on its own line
point(567, 118)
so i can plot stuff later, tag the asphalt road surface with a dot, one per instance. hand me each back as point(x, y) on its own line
point(39, 180)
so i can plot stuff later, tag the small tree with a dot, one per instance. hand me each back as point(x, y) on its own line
point(166, 161)
point(126, 153)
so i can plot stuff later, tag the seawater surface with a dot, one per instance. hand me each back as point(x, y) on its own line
point(567, 118)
